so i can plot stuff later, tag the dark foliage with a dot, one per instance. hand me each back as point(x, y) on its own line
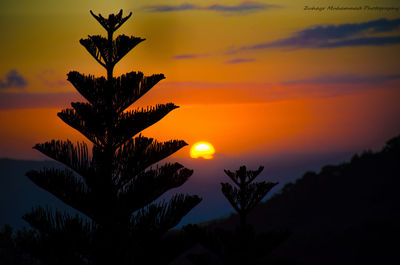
point(115, 186)
point(247, 194)
point(13, 247)
point(236, 247)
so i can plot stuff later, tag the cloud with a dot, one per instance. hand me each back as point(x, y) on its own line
point(37, 100)
point(344, 80)
point(240, 60)
point(186, 92)
point(255, 92)
point(186, 56)
point(334, 36)
point(13, 80)
point(244, 7)
point(369, 41)
point(169, 8)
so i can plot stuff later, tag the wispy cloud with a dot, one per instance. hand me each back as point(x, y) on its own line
point(186, 92)
point(12, 80)
point(244, 7)
point(240, 60)
point(255, 92)
point(344, 80)
point(169, 8)
point(37, 100)
point(334, 36)
point(186, 56)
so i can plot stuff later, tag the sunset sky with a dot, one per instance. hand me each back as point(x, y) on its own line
point(259, 78)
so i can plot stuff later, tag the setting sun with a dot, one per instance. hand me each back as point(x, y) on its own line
point(202, 150)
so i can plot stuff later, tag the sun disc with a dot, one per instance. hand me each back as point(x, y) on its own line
point(202, 150)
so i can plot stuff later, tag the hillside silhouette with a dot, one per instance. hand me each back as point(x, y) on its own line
point(345, 214)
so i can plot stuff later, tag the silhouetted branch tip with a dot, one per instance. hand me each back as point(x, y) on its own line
point(113, 22)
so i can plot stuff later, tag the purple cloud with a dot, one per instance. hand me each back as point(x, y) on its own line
point(37, 100)
point(244, 7)
point(223, 92)
point(169, 8)
point(186, 56)
point(13, 80)
point(333, 36)
point(240, 60)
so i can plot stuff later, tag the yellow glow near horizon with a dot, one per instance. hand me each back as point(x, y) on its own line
point(202, 150)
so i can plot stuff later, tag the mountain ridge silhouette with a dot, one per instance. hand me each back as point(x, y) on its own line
point(345, 214)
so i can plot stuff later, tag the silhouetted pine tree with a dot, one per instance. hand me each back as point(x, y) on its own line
point(114, 186)
point(243, 247)
point(246, 195)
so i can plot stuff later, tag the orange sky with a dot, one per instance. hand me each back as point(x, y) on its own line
point(246, 75)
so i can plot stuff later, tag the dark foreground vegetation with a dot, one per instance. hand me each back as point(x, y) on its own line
point(345, 214)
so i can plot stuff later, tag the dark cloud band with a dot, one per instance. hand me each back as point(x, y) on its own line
point(334, 36)
point(225, 92)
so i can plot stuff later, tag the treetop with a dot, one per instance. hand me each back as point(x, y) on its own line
point(113, 22)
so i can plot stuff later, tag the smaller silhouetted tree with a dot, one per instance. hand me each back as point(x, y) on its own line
point(247, 194)
point(244, 246)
